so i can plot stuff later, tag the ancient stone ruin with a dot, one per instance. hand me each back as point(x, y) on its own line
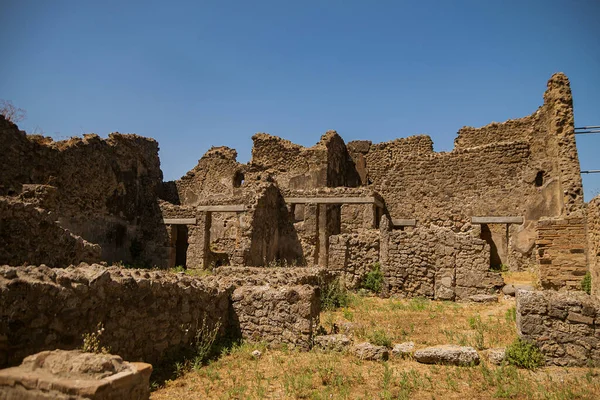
point(272, 232)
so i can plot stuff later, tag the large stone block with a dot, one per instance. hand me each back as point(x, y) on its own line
point(75, 375)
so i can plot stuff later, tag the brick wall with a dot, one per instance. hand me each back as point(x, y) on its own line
point(561, 247)
point(593, 231)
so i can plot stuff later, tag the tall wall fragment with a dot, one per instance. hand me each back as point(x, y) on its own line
point(105, 189)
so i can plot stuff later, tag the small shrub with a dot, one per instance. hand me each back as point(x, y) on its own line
point(334, 295)
point(373, 281)
point(524, 354)
point(379, 337)
point(92, 341)
point(586, 283)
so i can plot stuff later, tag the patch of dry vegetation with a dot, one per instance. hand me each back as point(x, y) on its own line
point(289, 374)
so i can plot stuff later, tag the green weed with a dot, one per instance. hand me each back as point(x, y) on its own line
point(373, 281)
point(586, 283)
point(524, 354)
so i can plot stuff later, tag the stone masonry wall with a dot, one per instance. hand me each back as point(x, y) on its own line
point(269, 234)
point(526, 167)
point(29, 234)
point(593, 232)
point(437, 263)
point(353, 255)
point(105, 189)
point(288, 314)
point(561, 248)
point(326, 164)
point(217, 174)
point(145, 313)
point(565, 326)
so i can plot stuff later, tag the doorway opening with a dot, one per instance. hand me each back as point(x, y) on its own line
point(181, 245)
point(495, 260)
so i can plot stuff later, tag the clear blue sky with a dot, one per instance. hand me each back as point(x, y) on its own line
point(193, 74)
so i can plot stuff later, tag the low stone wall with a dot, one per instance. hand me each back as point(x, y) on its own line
point(437, 263)
point(353, 255)
point(593, 231)
point(565, 326)
point(274, 276)
point(561, 247)
point(287, 315)
point(144, 313)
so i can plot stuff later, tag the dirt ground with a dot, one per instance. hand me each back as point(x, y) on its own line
point(289, 374)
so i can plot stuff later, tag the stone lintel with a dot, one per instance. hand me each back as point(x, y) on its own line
point(223, 208)
point(334, 200)
point(404, 222)
point(180, 221)
point(496, 220)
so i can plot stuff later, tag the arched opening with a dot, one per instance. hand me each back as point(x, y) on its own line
point(238, 179)
point(539, 179)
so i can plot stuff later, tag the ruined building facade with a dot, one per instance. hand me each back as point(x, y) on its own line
point(439, 224)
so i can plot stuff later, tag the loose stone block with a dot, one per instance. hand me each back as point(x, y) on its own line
point(368, 351)
point(448, 354)
point(63, 374)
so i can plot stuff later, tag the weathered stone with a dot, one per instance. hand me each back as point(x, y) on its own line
point(509, 290)
point(523, 286)
point(405, 349)
point(368, 351)
point(448, 354)
point(495, 356)
point(484, 298)
point(72, 374)
point(335, 342)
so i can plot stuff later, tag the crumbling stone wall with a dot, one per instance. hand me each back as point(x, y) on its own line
point(30, 235)
point(270, 235)
point(217, 175)
point(593, 235)
point(520, 167)
point(261, 233)
point(326, 164)
point(565, 326)
point(288, 314)
point(437, 263)
point(105, 188)
point(561, 249)
point(145, 313)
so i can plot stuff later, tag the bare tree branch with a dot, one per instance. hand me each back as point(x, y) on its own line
point(10, 112)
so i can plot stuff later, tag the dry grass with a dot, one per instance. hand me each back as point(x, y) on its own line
point(527, 277)
point(288, 374)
